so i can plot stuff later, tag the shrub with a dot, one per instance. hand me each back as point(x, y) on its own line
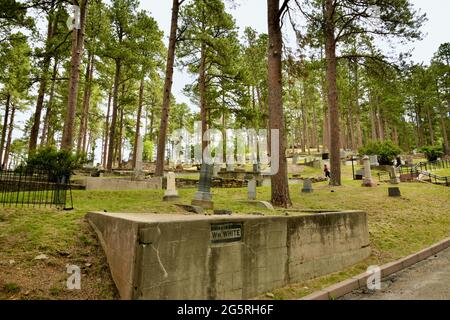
point(61, 163)
point(432, 153)
point(387, 151)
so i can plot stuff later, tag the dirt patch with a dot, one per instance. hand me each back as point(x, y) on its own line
point(24, 277)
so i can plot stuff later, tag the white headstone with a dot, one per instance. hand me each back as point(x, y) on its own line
point(374, 160)
point(252, 189)
point(171, 188)
point(367, 180)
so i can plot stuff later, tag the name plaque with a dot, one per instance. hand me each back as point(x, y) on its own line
point(226, 232)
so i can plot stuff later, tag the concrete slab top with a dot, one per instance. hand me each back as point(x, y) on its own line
point(163, 218)
point(158, 218)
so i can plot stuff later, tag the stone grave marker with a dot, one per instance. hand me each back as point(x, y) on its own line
point(393, 174)
point(203, 197)
point(374, 160)
point(367, 180)
point(394, 192)
point(252, 189)
point(307, 186)
point(359, 175)
point(171, 192)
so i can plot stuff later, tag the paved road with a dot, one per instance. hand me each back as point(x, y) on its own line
point(426, 280)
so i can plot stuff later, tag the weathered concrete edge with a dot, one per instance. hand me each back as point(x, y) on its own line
point(347, 286)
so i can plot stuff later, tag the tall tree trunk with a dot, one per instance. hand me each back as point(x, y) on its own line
point(120, 139)
point(82, 135)
point(167, 90)
point(351, 131)
point(280, 186)
point(112, 133)
point(335, 132)
point(420, 132)
point(379, 121)
point(119, 151)
point(202, 89)
point(48, 114)
point(373, 123)
point(105, 143)
point(77, 52)
point(306, 142)
point(9, 140)
point(444, 132)
point(51, 29)
point(359, 134)
point(152, 124)
point(138, 122)
point(5, 126)
point(315, 141)
point(430, 125)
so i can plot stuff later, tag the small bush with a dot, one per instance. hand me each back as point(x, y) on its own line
point(11, 288)
point(387, 151)
point(432, 153)
point(61, 163)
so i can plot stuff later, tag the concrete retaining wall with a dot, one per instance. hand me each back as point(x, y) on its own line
point(117, 184)
point(235, 257)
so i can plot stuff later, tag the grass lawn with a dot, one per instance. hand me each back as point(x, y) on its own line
point(398, 227)
point(442, 172)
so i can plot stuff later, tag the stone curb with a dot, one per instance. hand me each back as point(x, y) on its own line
point(342, 288)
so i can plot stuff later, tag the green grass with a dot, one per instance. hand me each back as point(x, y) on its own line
point(398, 226)
point(11, 288)
point(442, 172)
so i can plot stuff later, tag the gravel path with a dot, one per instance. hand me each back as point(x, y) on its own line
point(426, 280)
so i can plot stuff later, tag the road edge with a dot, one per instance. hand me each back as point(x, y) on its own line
point(347, 286)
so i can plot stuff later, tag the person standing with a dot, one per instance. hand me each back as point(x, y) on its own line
point(327, 172)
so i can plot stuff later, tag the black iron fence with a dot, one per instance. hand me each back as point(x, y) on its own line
point(425, 168)
point(31, 187)
point(436, 165)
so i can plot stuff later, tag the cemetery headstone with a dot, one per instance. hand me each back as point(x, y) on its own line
point(374, 160)
point(203, 197)
point(307, 186)
point(394, 192)
point(295, 159)
point(171, 192)
point(252, 189)
point(367, 180)
point(393, 174)
point(359, 175)
point(230, 167)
